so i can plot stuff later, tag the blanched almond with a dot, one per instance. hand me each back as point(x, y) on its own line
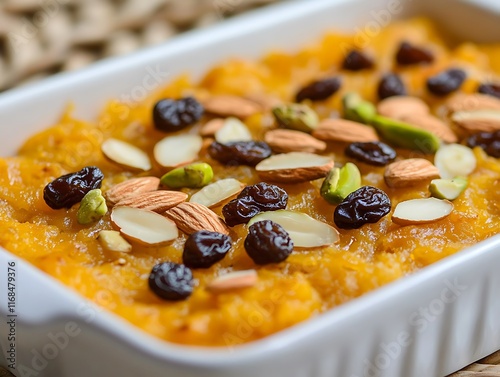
point(421, 211)
point(142, 226)
point(125, 154)
point(472, 102)
point(294, 167)
point(233, 130)
point(112, 240)
point(211, 127)
point(217, 192)
point(283, 141)
point(156, 201)
point(131, 187)
point(228, 105)
point(344, 131)
point(173, 151)
point(399, 106)
point(431, 123)
point(303, 229)
point(233, 280)
point(410, 172)
point(477, 120)
point(192, 217)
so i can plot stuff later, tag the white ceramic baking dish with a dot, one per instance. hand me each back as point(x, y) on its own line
point(429, 324)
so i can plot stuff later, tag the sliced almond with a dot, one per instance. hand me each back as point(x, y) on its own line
point(283, 141)
point(233, 280)
point(142, 226)
point(192, 217)
point(113, 241)
point(345, 131)
point(303, 229)
point(177, 150)
point(421, 211)
point(233, 130)
point(477, 120)
point(156, 201)
point(126, 155)
point(455, 160)
point(472, 102)
point(131, 187)
point(432, 124)
point(294, 167)
point(211, 127)
point(228, 106)
point(217, 192)
point(410, 172)
point(399, 106)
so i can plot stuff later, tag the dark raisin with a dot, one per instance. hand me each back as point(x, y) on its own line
point(409, 54)
point(373, 153)
point(357, 61)
point(391, 85)
point(70, 189)
point(266, 196)
point(365, 205)
point(240, 152)
point(319, 90)
point(240, 211)
point(446, 82)
point(171, 281)
point(267, 242)
point(203, 248)
point(173, 115)
point(489, 141)
point(490, 89)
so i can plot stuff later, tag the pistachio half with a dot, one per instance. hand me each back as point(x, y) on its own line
point(357, 109)
point(340, 182)
point(296, 117)
point(92, 207)
point(449, 189)
point(194, 175)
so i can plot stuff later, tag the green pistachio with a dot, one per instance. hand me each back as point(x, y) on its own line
point(92, 207)
point(113, 241)
point(296, 117)
point(340, 182)
point(404, 135)
point(194, 175)
point(448, 188)
point(357, 109)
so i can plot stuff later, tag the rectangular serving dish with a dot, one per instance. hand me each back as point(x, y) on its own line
point(428, 324)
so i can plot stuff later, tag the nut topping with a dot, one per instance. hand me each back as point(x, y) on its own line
point(283, 141)
point(421, 211)
point(410, 172)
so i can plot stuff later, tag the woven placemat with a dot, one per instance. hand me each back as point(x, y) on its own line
point(42, 37)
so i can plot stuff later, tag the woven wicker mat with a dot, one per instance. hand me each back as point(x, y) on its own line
point(39, 38)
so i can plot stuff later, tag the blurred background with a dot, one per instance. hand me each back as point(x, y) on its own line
point(42, 37)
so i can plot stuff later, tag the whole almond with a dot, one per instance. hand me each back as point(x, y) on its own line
point(399, 106)
point(156, 201)
point(477, 120)
point(227, 106)
point(471, 102)
point(211, 127)
point(266, 102)
point(192, 217)
point(283, 141)
point(432, 124)
point(131, 187)
point(233, 280)
point(345, 131)
point(410, 172)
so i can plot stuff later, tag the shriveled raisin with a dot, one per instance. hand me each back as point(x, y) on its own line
point(171, 281)
point(391, 85)
point(365, 205)
point(240, 152)
point(203, 248)
point(240, 211)
point(489, 141)
point(490, 89)
point(267, 242)
point(70, 189)
point(357, 61)
point(266, 196)
point(446, 82)
point(409, 54)
point(373, 153)
point(173, 115)
point(319, 90)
